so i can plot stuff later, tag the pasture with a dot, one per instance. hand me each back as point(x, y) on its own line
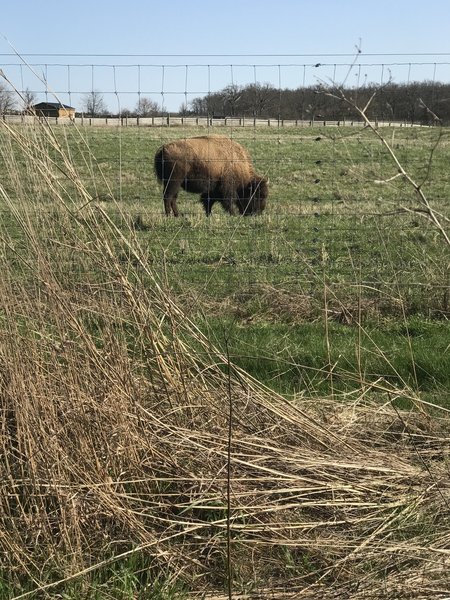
point(192, 401)
point(335, 255)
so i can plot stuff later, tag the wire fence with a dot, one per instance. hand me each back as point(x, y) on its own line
point(336, 211)
point(177, 88)
point(109, 393)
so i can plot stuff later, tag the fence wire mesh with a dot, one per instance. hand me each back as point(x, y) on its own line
point(335, 209)
point(253, 401)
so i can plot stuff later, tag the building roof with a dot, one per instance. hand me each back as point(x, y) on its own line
point(53, 105)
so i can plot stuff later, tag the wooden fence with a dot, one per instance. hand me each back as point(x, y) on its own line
point(177, 121)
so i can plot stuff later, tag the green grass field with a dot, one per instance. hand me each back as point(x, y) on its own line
point(128, 341)
point(334, 246)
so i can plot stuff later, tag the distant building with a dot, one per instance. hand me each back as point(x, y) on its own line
point(53, 109)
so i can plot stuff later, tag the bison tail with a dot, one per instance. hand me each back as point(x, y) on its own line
point(164, 166)
point(159, 164)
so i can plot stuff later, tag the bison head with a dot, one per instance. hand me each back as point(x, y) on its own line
point(252, 197)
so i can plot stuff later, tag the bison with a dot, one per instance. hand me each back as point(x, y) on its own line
point(217, 168)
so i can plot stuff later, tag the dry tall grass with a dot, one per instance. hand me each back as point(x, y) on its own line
point(114, 430)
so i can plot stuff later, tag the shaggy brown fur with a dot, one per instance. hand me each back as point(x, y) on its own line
point(217, 168)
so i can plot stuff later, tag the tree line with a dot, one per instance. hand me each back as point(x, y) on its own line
point(417, 102)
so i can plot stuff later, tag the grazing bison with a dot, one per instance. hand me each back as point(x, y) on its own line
point(217, 168)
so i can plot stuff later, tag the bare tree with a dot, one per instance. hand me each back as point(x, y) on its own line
point(28, 99)
point(93, 104)
point(126, 112)
point(7, 99)
point(263, 96)
point(232, 95)
point(146, 107)
point(199, 106)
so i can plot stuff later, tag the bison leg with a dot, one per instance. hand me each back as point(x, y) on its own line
point(225, 195)
point(170, 198)
point(207, 202)
point(171, 203)
point(229, 205)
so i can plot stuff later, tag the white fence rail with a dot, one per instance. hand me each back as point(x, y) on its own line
point(177, 121)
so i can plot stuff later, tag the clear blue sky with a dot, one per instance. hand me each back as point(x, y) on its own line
point(231, 27)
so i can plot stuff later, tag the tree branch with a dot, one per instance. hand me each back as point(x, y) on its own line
point(426, 209)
